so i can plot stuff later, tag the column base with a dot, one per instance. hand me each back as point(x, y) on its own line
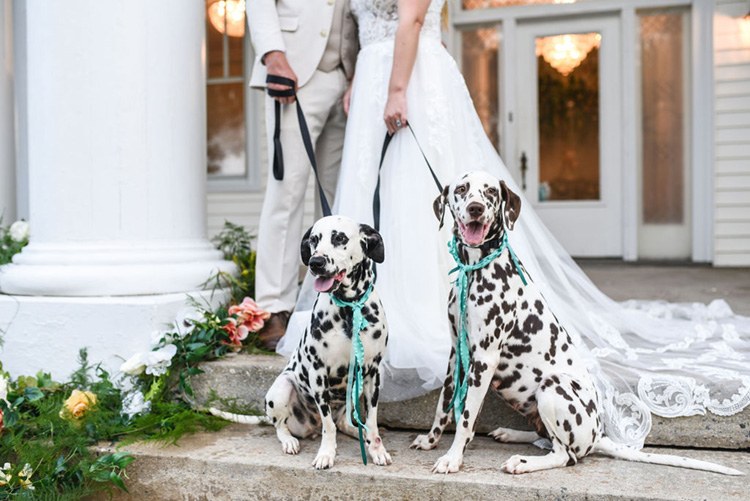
point(45, 333)
point(111, 270)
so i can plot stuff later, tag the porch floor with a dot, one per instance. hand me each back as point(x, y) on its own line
point(671, 282)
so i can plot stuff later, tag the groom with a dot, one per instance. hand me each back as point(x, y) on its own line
point(314, 43)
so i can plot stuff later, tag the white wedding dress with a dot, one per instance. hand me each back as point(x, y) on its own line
point(646, 357)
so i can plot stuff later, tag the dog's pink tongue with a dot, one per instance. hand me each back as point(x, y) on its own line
point(323, 284)
point(474, 233)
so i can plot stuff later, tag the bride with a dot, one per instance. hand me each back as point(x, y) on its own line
point(646, 357)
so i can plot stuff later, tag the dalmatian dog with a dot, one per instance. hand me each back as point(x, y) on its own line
point(311, 391)
point(518, 347)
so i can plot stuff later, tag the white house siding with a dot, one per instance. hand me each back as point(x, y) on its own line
point(732, 133)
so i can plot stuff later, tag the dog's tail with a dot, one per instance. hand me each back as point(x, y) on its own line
point(239, 418)
point(609, 448)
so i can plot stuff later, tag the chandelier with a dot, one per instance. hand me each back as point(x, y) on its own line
point(228, 16)
point(566, 52)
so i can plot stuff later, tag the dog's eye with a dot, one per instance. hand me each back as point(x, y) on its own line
point(492, 191)
point(314, 240)
point(460, 190)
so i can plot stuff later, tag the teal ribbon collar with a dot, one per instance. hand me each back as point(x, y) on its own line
point(356, 363)
point(461, 386)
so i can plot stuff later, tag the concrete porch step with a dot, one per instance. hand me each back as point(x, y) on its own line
point(248, 377)
point(246, 462)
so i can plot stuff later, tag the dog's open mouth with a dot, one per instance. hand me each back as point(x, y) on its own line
point(474, 232)
point(325, 284)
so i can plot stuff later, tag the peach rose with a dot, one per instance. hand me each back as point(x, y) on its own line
point(249, 314)
point(237, 333)
point(78, 404)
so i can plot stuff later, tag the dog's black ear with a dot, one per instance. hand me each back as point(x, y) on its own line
point(439, 206)
point(512, 208)
point(304, 248)
point(372, 243)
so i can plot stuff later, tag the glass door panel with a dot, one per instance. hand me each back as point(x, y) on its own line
point(568, 104)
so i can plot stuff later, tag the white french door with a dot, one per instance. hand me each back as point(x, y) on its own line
point(569, 147)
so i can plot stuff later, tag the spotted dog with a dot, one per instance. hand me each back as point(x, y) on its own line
point(518, 347)
point(312, 388)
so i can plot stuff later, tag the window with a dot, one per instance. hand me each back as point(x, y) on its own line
point(232, 150)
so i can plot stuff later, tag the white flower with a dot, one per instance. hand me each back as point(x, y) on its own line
point(19, 231)
point(134, 366)
point(185, 321)
point(134, 403)
point(157, 362)
point(157, 337)
point(4, 390)
point(24, 476)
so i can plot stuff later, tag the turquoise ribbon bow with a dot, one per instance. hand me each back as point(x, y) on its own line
point(356, 364)
point(460, 387)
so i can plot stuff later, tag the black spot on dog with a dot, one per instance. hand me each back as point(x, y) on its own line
point(579, 419)
point(532, 325)
point(539, 306)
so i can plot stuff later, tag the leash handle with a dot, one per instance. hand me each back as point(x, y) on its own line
point(278, 157)
point(376, 195)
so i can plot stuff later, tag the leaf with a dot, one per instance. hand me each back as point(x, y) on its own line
point(10, 418)
point(33, 394)
point(18, 402)
point(194, 371)
point(195, 346)
point(115, 478)
point(125, 460)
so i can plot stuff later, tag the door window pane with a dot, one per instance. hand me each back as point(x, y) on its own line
point(568, 110)
point(479, 65)
point(663, 120)
point(226, 129)
point(225, 88)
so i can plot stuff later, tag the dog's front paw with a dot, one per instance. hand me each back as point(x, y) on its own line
point(323, 460)
point(515, 464)
point(424, 442)
point(290, 446)
point(378, 453)
point(448, 464)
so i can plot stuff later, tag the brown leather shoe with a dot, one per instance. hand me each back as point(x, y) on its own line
point(273, 330)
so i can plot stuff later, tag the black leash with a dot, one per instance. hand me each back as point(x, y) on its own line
point(376, 196)
point(278, 157)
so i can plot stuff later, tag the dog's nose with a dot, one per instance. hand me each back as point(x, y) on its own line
point(475, 209)
point(318, 263)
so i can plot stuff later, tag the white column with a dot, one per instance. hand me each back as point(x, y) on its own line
point(7, 146)
point(116, 138)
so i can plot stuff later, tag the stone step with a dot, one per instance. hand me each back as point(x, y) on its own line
point(246, 462)
point(248, 377)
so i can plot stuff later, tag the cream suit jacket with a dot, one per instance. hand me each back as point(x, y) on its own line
point(300, 28)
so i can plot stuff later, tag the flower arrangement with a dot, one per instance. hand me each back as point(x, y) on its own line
point(47, 428)
point(12, 240)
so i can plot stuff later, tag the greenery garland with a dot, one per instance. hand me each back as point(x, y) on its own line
point(48, 429)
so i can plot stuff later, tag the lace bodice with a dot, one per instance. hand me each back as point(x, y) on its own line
point(378, 19)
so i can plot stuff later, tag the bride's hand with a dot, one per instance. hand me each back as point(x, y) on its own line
point(395, 111)
point(348, 98)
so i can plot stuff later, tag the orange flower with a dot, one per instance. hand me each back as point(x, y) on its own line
point(237, 333)
point(250, 315)
point(78, 404)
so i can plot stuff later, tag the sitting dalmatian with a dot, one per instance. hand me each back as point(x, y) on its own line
point(516, 345)
point(312, 388)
